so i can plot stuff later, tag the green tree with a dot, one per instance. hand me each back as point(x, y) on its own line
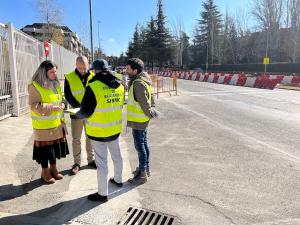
point(150, 43)
point(154, 44)
point(134, 47)
point(165, 44)
point(121, 60)
point(207, 34)
point(230, 42)
point(186, 55)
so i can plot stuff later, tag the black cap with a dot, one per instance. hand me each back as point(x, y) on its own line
point(100, 64)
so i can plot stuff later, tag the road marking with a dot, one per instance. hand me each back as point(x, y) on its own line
point(234, 131)
point(220, 91)
point(253, 93)
point(229, 93)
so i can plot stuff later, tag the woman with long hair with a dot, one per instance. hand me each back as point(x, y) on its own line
point(46, 104)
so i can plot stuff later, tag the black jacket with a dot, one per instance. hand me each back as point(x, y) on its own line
point(68, 94)
point(89, 101)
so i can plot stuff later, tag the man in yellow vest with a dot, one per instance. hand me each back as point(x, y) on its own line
point(118, 74)
point(74, 88)
point(102, 105)
point(140, 109)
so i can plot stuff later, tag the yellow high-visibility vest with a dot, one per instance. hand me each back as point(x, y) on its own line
point(76, 85)
point(134, 110)
point(107, 118)
point(118, 75)
point(53, 120)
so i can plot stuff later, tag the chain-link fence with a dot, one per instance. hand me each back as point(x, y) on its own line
point(20, 56)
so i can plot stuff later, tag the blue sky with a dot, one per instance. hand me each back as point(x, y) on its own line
point(117, 17)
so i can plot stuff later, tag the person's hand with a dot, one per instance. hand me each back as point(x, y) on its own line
point(57, 108)
point(154, 113)
point(63, 105)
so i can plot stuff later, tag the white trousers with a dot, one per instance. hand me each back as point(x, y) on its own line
point(100, 149)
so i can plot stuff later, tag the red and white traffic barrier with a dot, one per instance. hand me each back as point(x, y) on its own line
point(246, 80)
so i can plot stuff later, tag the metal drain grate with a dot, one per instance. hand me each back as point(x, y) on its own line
point(135, 216)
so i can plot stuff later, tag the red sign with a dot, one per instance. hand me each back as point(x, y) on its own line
point(46, 48)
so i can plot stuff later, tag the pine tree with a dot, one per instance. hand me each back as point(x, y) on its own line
point(150, 42)
point(207, 38)
point(135, 45)
point(186, 56)
point(154, 44)
point(164, 45)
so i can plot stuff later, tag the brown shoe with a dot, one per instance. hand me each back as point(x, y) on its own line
point(137, 170)
point(54, 172)
point(148, 171)
point(75, 169)
point(46, 176)
point(139, 178)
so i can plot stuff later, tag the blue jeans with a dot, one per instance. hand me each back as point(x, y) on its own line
point(142, 148)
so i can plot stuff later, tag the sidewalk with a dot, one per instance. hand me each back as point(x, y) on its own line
point(24, 198)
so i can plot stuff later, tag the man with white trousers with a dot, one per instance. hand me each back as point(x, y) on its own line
point(102, 105)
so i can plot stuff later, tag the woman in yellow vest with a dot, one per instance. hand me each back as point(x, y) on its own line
point(45, 99)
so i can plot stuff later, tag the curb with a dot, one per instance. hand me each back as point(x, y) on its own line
point(288, 87)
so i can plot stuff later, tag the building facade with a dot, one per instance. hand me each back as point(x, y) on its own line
point(60, 34)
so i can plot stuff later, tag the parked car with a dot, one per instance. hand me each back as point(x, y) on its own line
point(198, 69)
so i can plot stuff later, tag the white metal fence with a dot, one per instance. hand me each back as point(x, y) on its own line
point(20, 55)
point(6, 105)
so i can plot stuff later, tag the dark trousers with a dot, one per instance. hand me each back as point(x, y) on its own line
point(44, 163)
point(142, 148)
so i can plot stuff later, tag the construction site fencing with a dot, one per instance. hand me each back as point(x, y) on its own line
point(64, 59)
point(21, 55)
point(6, 105)
point(163, 85)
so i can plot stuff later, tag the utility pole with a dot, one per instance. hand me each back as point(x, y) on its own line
point(267, 48)
point(208, 38)
point(91, 32)
point(99, 49)
point(206, 56)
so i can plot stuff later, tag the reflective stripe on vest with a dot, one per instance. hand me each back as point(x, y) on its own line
point(138, 115)
point(76, 85)
point(106, 120)
point(53, 120)
point(134, 110)
point(46, 117)
point(109, 109)
point(77, 93)
point(104, 125)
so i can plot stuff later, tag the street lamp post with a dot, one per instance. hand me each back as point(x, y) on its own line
point(91, 31)
point(99, 40)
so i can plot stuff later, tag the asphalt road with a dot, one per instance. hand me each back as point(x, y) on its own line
point(220, 155)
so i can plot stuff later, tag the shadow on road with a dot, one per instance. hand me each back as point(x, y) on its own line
point(10, 191)
point(62, 212)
